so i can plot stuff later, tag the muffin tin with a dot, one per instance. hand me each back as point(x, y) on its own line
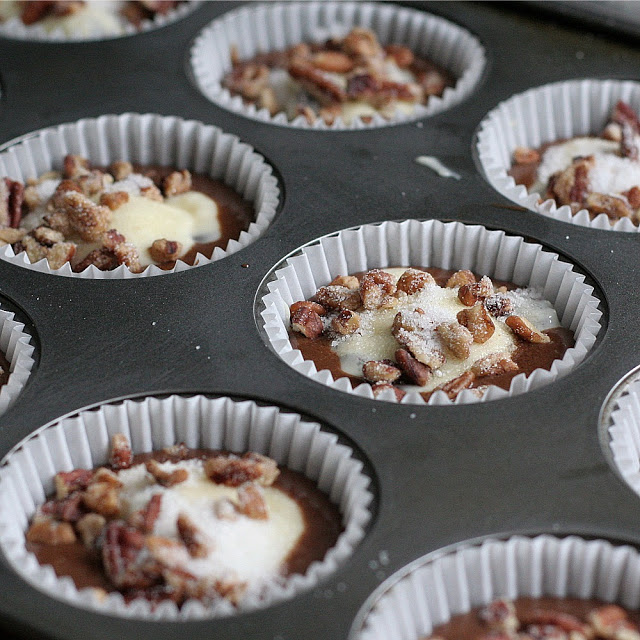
point(528, 464)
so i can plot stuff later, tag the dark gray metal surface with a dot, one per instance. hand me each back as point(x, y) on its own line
point(532, 463)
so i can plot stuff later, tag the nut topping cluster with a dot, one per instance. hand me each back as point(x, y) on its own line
point(606, 622)
point(573, 185)
point(354, 69)
point(424, 341)
point(88, 507)
point(54, 214)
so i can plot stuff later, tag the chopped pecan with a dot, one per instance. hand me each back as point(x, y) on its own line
point(89, 527)
point(346, 322)
point(494, 364)
point(251, 502)
point(124, 252)
point(46, 530)
point(90, 220)
point(164, 250)
point(375, 286)
point(633, 197)
point(35, 10)
point(75, 166)
point(120, 169)
point(103, 474)
point(177, 182)
point(418, 338)
point(179, 451)
point(624, 114)
point(46, 237)
point(403, 56)
point(457, 338)
point(152, 193)
point(611, 621)
point(350, 282)
point(316, 82)
point(93, 183)
point(166, 478)
point(361, 42)
point(232, 471)
point(572, 184)
point(414, 280)
point(11, 236)
point(230, 590)
point(564, 621)
point(11, 199)
point(549, 632)
point(269, 101)
point(380, 387)
point(145, 519)
point(380, 371)
point(121, 455)
point(306, 112)
point(307, 322)
point(338, 297)
point(332, 61)
point(330, 112)
point(67, 482)
point(500, 615)
point(68, 509)
point(114, 199)
point(58, 221)
point(525, 155)
point(56, 203)
point(460, 278)
point(314, 306)
point(478, 321)
point(56, 255)
point(432, 81)
point(103, 498)
point(469, 294)
point(628, 146)
point(248, 80)
point(192, 537)
point(414, 371)
point(498, 305)
point(455, 386)
point(31, 199)
point(525, 330)
point(102, 259)
point(614, 207)
point(613, 132)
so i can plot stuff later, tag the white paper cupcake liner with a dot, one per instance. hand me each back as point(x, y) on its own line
point(14, 27)
point(147, 139)
point(431, 590)
point(545, 114)
point(277, 26)
point(82, 441)
point(17, 348)
point(431, 243)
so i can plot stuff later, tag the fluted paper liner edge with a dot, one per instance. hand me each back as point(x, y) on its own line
point(276, 26)
point(82, 441)
point(147, 139)
point(431, 590)
point(552, 112)
point(432, 243)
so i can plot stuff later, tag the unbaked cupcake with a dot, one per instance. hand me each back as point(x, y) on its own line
point(180, 507)
point(569, 151)
point(335, 64)
point(412, 308)
point(123, 196)
point(417, 600)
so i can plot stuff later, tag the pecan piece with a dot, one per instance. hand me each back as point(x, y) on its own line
point(145, 519)
point(338, 297)
point(564, 621)
point(525, 155)
point(120, 169)
point(11, 236)
point(460, 278)
point(89, 527)
point(164, 250)
point(402, 56)
point(307, 322)
point(192, 537)
point(177, 182)
point(380, 387)
point(332, 62)
point(380, 371)
point(93, 182)
point(414, 280)
point(375, 286)
point(124, 252)
point(46, 530)
point(614, 207)
point(469, 294)
point(114, 199)
point(103, 474)
point(613, 132)
point(56, 255)
point(68, 509)
point(628, 146)
point(12, 195)
point(232, 471)
point(498, 305)
point(346, 322)
point(58, 221)
point(414, 371)
point(87, 218)
point(313, 306)
point(455, 386)
point(316, 82)
point(75, 166)
point(152, 192)
point(500, 615)
point(457, 338)
point(571, 186)
point(102, 497)
point(494, 364)
point(67, 482)
point(166, 478)
point(478, 321)
point(633, 197)
point(269, 101)
point(248, 79)
point(410, 331)
point(525, 330)
point(624, 114)
point(611, 621)
point(121, 456)
point(102, 259)
point(350, 282)
point(361, 42)
point(251, 502)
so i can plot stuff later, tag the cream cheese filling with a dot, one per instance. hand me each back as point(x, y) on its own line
point(374, 341)
point(243, 549)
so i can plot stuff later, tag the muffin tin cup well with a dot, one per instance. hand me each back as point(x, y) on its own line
point(277, 26)
point(546, 114)
point(82, 441)
point(95, 29)
point(431, 590)
point(147, 139)
point(431, 243)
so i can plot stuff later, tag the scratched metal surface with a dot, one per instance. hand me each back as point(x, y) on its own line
point(532, 463)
